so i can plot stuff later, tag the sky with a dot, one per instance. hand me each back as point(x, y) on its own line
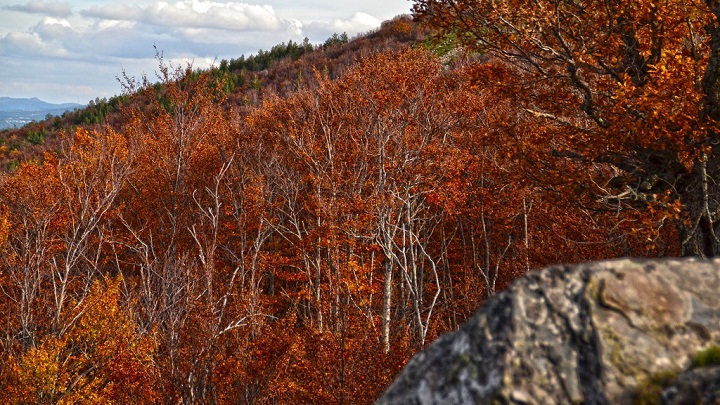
point(72, 51)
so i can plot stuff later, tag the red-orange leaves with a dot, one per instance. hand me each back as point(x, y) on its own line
point(605, 87)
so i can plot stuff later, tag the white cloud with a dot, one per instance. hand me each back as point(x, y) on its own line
point(113, 12)
point(21, 41)
point(358, 23)
point(192, 14)
point(48, 8)
point(52, 28)
point(49, 38)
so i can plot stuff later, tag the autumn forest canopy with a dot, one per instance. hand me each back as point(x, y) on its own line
point(292, 232)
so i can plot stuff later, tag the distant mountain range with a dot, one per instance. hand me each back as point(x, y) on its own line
point(16, 112)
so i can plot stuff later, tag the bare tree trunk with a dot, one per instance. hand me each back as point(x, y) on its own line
point(387, 303)
point(700, 194)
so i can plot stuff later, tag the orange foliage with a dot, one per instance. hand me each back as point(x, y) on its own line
point(100, 359)
point(302, 250)
point(615, 103)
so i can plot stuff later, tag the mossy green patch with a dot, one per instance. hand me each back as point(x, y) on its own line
point(707, 357)
point(649, 392)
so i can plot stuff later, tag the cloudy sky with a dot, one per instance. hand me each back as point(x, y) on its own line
point(73, 50)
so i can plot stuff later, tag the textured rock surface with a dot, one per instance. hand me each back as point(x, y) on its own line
point(593, 333)
point(699, 386)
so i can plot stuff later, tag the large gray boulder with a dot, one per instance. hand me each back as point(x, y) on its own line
point(594, 333)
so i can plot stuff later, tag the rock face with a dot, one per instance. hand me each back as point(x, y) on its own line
point(697, 386)
point(594, 333)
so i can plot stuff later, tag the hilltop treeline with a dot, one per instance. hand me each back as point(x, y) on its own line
point(286, 67)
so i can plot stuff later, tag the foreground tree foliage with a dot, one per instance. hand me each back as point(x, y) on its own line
point(631, 88)
point(302, 251)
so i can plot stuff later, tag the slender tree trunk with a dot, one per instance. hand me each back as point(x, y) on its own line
point(700, 235)
point(387, 304)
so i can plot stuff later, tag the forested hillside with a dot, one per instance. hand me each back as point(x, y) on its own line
point(284, 68)
point(293, 235)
